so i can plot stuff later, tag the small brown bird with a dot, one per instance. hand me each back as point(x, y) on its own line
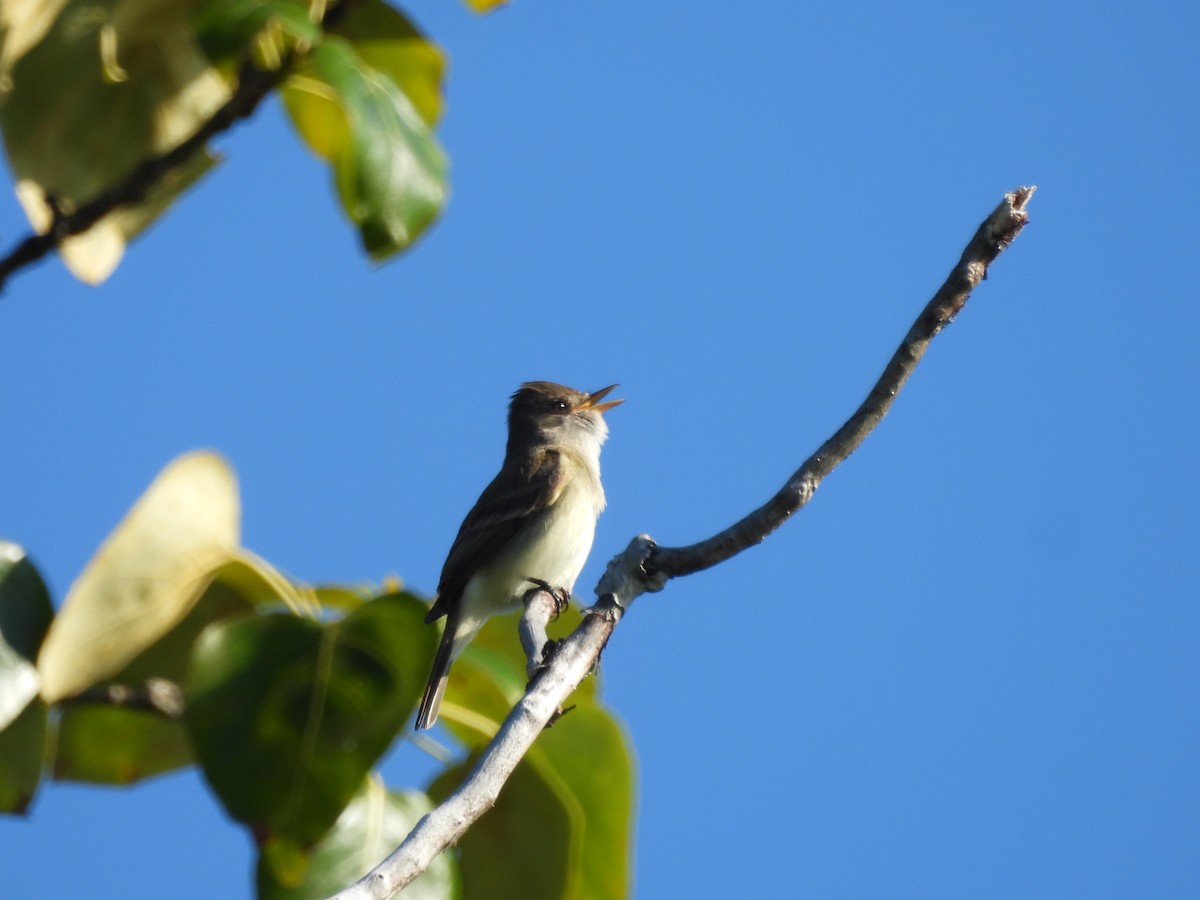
point(533, 523)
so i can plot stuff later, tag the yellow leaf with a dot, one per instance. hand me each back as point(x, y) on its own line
point(483, 6)
point(146, 576)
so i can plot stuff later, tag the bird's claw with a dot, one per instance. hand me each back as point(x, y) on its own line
point(561, 595)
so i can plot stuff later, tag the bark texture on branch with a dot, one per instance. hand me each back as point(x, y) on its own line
point(644, 566)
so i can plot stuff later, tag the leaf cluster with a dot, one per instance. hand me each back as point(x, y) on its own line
point(289, 697)
point(92, 89)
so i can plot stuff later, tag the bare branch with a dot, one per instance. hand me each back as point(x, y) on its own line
point(252, 86)
point(571, 663)
point(997, 232)
point(643, 566)
point(157, 695)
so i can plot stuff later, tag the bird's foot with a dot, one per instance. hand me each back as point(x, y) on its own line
point(561, 595)
point(549, 651)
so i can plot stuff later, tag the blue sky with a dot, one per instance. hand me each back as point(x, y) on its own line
point(968, 669)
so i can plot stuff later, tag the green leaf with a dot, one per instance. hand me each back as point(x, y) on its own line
point(146, 577)
point(227, 28)
point(259, 583)
point(489, 679)
point(388, 41)
point(370, 828)
point(25, 615)
point(22, 750)
point(485, 683)
point(580, 772)
point(590, 751)
point(527, 845)
point(114, 745)
point(109, 745)
point(23, 24)
point(389, 170)
point(168, 657)
point(340, 597)
point(563, 825)
point(109, 84)
point(310, 707)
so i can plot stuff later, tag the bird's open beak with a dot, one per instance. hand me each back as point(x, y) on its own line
point(593, 400)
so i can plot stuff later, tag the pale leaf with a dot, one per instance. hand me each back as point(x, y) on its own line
point(146, 576)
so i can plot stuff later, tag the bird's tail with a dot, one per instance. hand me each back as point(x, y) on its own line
point(438, 675)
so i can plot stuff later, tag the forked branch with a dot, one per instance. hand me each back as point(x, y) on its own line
point(643, 566)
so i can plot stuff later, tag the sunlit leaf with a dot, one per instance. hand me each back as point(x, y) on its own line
point(485, 682)
point(370, 828)
point(483, 6)
point(481, 692)
point(490, 678)
point(500, 637)
point(340, 597)
point(284, 858)
point(388, 41)
point(110, 84)
point(389, 170)
point(146, 577)
point(167, 658)
point(227, 28)
point(259, 583)
point(110, 745)
point(310, 706)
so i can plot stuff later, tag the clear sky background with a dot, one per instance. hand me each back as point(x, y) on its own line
point(969, 668)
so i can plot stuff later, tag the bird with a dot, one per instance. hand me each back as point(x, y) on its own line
point(532, 526)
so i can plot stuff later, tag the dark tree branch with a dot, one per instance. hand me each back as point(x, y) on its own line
point(643, 567)
point(253, 85)
point(157, 695)
point(998, 231)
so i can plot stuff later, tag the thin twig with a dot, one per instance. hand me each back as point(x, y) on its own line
point(156, 695)
point(643, 567)
point(997, 232)
point(253, 84)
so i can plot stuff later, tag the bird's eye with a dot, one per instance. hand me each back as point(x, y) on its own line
point(560, 405)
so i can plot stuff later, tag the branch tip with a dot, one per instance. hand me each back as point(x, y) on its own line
point(645, 567)
point(1010, 217)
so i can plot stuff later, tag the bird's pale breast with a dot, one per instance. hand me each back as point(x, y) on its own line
point(553, 546)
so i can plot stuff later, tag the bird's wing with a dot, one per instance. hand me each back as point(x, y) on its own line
point(493, 521)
